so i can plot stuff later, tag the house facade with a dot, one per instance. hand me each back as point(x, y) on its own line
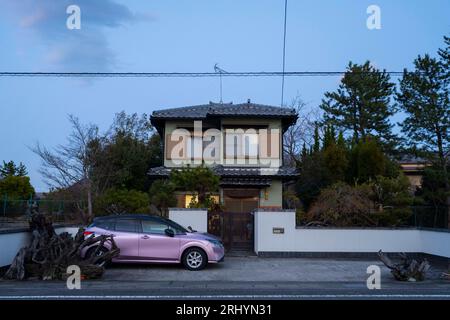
point(242, 144)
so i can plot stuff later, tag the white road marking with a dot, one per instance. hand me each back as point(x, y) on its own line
point(179, 297)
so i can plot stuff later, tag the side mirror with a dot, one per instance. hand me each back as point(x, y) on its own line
point(169, 232)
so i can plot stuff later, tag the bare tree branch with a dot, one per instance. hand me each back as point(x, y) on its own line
point(301, 133)
point(71, 164)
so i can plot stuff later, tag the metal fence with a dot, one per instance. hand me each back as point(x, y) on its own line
point(16, 213)
point(430, 217)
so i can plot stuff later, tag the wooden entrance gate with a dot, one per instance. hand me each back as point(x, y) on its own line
point(235, 225)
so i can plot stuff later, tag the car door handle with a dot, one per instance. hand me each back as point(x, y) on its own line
point(145, 237)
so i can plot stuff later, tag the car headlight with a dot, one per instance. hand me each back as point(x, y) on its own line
point(216, 243)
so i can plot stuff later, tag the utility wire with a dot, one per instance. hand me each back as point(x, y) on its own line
point(284, 53)
point(185, 74)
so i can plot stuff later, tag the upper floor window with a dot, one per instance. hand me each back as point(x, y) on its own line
point(253, 144)
point(241, 144)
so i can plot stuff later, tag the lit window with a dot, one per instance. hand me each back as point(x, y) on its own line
point(192, 198)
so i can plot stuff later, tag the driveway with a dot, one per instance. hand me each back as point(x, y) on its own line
point(238, 277)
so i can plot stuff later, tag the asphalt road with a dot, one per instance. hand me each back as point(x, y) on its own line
point(237, 278)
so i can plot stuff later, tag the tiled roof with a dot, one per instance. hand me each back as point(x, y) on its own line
point(159, 171)
point(224, 109)
point(254, 171)
point(236, 172)
point(261, 182)
point(407, 158)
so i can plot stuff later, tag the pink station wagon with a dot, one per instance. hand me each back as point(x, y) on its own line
point(153, 239)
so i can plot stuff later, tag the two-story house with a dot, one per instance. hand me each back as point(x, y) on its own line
point(242, 143)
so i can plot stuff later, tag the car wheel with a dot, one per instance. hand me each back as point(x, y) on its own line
point(195, 259)
point(100, 252)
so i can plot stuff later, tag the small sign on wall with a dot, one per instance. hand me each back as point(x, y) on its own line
point(277, 230)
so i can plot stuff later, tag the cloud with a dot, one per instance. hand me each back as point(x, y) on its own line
point(86, 49)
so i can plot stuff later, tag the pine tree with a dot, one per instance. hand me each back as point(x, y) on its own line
point(425, 98)
point(21, 170)
point(316, 146)
point(329, 137)
point(10, 169)
point(361, 104)
point(445, 56)
point(341, 140)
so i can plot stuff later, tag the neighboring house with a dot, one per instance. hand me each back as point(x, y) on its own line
point(413, 168)
point(242, 143)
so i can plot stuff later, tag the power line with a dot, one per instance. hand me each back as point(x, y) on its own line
point(186, 74)
point(284, 52)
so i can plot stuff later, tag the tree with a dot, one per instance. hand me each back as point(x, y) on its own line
point(72, 163)
point(91, 163)
point(316, 145)
point(16, 187)
point(433, 187)
point(424, 96)
point(115, 201)
point(444, 54)
point(336, 161)
point(299, 134)
point(393, 199)
point(367, 161)
point(314, 177)
point(128, 150)
point(433, 193)
point(10, 169)
point(200, 180)
point(361, 104)
point(162, 195)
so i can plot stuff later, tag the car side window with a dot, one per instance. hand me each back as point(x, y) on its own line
point(107, 224)
point(154, 226)
point(127, 225)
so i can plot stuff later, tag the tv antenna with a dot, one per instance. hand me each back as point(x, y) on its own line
point(220, 71)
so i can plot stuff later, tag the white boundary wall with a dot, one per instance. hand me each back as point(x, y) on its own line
point(11, 243)
point(342, 240)
point(196, 218)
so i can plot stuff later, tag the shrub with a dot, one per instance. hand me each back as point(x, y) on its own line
point(383, 202)
point(341, 205)
point(122, 201)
